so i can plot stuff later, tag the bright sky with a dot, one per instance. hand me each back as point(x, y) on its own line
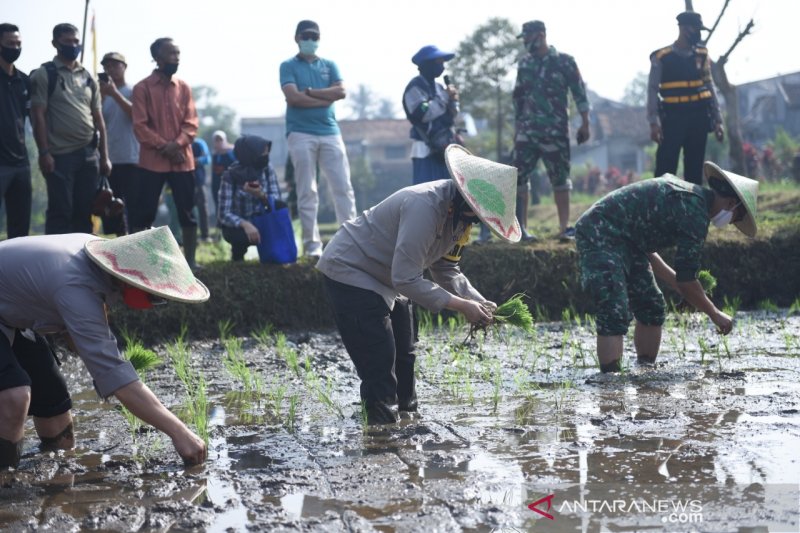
point(236, 46)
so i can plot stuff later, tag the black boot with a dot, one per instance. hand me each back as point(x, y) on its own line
point(380, 413)
point(190, 245)
point(10, 453)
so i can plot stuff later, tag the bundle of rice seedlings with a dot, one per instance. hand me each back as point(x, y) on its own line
point(141, 358)
point(515, 312)
point(708, 281)
point(512, 312)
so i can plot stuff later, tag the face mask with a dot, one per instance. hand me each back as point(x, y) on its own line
point(169, 69)
point(262, 161)
point(533, 45)
point(309, 47)
point(10, 55)
point(69, 52)
point(724, 217)
point(136, 298)
point(431, 70)
point(695, 38)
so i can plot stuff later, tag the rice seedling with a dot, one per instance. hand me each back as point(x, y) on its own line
point(566, 316)
point(768, 306)
point(708, 282)
point(794, 309)
point(276, 396)
point(497, 383)
point(424, 322)
point(560, 394)
point(225, 329)
point(294, 400)
point(264, 335)
point(194, 383)
point(236, 365)
point(325, 397)
point(704, 349)
point(731, 306)
point(725, 345)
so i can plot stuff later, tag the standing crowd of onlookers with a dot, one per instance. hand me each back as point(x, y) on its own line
point(138, 137)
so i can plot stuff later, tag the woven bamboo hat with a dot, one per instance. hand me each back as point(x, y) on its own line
point(490, 189)
point(150, 260)
point(747, 191)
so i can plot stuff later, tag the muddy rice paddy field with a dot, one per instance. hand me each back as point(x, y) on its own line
point(515, 432)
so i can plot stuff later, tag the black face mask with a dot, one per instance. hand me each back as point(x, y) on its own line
point(431, 70)
point(469, 219)
point(169, 69)
point(695, 38)
point(261, 161)
point(10, 55)
point(533, 46)
point(69, 52)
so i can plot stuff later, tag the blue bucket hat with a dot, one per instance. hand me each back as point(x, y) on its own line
point(429, 52)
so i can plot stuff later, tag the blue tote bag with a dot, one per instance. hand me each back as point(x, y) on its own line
point(277, 235)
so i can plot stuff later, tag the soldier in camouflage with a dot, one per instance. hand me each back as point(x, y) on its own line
point(544, 76)
point(618, 238)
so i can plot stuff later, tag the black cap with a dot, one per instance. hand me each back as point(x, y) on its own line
point(307, 26)
point(532, 27)
point(690, 18)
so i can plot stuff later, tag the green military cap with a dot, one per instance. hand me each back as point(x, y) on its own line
point(531, 27)
point(690, 18)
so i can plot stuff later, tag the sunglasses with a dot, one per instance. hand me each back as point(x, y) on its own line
point(309, 36)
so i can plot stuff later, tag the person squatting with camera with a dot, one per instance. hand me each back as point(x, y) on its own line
point(244, 193)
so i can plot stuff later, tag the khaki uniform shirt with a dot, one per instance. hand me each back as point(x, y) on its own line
point(70, 125)
point(388, 247)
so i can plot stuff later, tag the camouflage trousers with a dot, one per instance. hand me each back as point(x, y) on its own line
point(620, 281)
point(553, 151)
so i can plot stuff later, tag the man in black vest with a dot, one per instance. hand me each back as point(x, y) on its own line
point(681, 103)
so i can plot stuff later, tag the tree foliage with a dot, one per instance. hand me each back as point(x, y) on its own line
point(484, 70)
point(636, 91)
point(213, 115)
point(365, 104)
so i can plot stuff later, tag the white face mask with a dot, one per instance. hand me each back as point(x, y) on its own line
point(724, 217)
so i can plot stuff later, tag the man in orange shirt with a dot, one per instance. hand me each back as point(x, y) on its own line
point(165, 123)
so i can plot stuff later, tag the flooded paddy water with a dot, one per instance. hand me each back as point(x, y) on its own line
point(515, 432)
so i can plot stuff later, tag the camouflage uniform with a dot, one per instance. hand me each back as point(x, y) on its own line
point(615, 234)
point(540, 108)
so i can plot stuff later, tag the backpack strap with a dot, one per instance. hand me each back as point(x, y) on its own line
point(52, 79)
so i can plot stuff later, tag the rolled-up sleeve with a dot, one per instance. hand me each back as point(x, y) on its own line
point(416, 235)
point(82, 312)
point(448, 274)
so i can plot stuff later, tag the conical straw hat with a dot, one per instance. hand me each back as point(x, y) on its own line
point(490, 189)
point(745, 188)
point(150, 260)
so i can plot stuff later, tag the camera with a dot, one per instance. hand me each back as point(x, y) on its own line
point(103, 77)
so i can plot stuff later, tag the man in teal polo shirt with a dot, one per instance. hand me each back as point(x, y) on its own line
point(311, 86)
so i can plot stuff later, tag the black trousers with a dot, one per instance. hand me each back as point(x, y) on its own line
point(381, 342)
point(124, 181)
point(200, 200)
point(33, 364)
point(238, 241)
point(150, 186)
point(71, 189)
point(685, 129)
point(15, 194)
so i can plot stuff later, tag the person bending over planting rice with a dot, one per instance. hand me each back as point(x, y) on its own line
point(64, 284)
point(373, 268)
point(617, 239)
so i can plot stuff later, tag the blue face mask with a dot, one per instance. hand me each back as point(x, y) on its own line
point(309, 47)
point(69, 52)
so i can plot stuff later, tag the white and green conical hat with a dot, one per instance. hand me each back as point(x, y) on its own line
point(150, 260)
point(490, 189)
point(747, 191)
